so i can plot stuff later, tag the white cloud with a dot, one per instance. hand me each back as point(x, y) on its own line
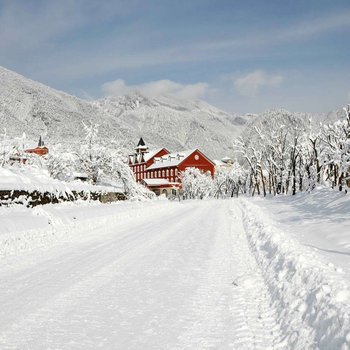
point(157, 88)
point(114, 53)
point(250, 84)
point(28, 26)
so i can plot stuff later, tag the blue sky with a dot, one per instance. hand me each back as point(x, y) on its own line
point(242, 56)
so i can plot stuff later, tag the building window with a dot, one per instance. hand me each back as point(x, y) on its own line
point(159, 173)
point(175, 171)
point(171, 172)
point(167, 172)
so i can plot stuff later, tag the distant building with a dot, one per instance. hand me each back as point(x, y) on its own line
point(40, 150)
point(161, 170)
point(80, 176)
point(225, 163)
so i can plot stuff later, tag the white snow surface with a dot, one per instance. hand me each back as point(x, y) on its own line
point(309, 292)
point(216, 274)
point(29, 178)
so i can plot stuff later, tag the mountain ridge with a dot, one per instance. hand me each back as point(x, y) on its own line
point(36, 109)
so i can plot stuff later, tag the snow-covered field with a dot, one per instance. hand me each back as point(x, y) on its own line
point(216, 274)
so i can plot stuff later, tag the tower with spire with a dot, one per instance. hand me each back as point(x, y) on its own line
point(141, 147)
point(41, 142)
point(40, 150)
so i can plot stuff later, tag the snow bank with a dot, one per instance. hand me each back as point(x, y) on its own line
point(26, 178)
point(24, 229)
point(312, 297)
point(322, 218)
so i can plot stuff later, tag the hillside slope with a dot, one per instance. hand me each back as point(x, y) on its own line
point(30, 107)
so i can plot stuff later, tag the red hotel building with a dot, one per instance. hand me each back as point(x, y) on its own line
point(161, 170)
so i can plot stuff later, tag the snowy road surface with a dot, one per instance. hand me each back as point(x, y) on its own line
point(179, 279)
point(169, 275)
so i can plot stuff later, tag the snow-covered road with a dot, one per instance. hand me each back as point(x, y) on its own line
point(216, 274)
point(183, 278)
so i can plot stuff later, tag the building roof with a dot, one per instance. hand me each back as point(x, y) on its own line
point(227, 160)
point(157, 182)
point(150, 154)
point(219, 162)
point(141, 142)
point(170, 160)
point(80, 174)
point(137, 157)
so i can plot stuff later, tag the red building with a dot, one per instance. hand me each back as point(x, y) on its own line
point(40, 150)
point(161, 170)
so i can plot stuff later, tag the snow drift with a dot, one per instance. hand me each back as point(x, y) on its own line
point(312, 297)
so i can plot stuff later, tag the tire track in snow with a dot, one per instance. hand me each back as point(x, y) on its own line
point(232, 308)
point(166, 287)
point(257, 326)
point(92, 271)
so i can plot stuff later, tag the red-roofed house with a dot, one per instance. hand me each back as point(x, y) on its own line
point(161, 170)
point(40, 150)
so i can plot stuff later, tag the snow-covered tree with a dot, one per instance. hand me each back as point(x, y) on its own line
point(229, 181)
point(61, 164)
point(12, 150)
point(106, 161)
point(196, 184)
point(336, 138)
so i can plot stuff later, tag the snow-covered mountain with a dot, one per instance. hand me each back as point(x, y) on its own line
point(30, 107)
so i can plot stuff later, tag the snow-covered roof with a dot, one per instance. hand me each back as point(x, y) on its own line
point(156, 182)
point(227, 160)
point(224, 162)
point(137, 157)
point(78, 174)
point(170, 160)
point(218, 162)
point(28, 178)
point(147, 156)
